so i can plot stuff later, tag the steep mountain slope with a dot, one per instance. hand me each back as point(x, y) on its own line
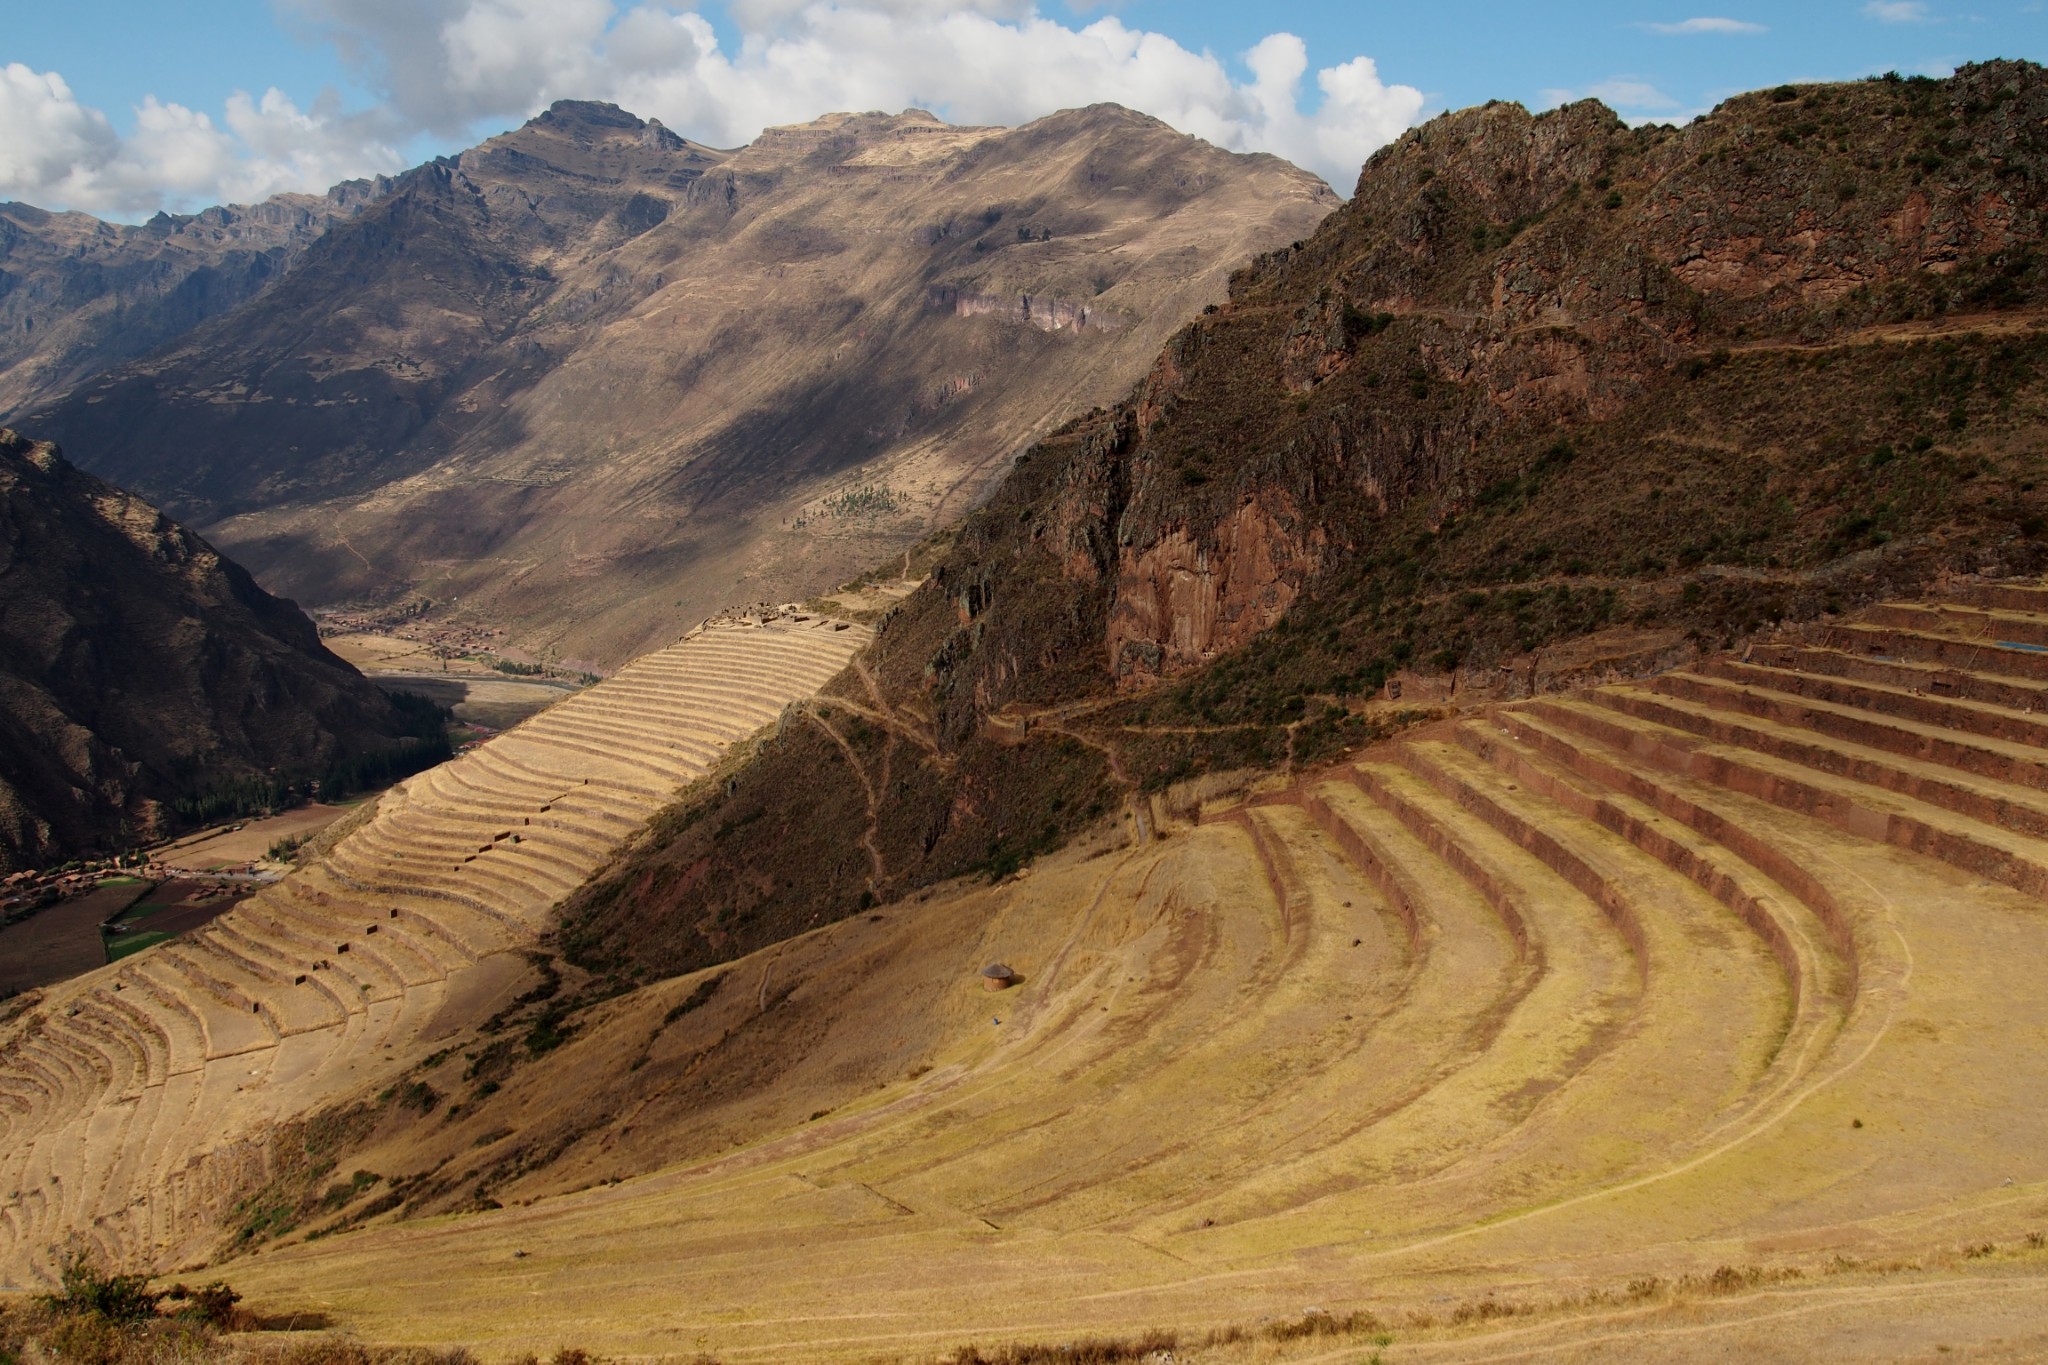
point(1550, 400)
point(78, 295)
point(145, 680)
point(594, 381)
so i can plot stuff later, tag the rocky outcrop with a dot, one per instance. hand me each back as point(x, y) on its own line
point(1181, 601)
point(1503, 288)
point(1046, 314)
point(145, 680)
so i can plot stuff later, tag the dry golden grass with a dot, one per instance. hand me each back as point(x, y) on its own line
point(1680, 1020)
point(1589, 1015)
point(136, 1100)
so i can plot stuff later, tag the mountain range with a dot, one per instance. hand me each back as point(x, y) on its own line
point(78, 295)
point(590, 381)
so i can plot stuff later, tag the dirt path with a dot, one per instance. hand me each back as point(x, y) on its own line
point(2006, 322)
point(868, 840)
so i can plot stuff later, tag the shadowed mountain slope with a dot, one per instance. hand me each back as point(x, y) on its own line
point(595, 381)
point(78, 295)
point(145, 680)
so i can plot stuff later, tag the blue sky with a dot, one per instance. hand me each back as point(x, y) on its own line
point(121, 107)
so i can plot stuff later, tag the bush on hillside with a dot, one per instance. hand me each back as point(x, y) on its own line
point(88, 1289)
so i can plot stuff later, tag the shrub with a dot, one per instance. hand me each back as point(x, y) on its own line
point(212, 1304)
point(87, 1289)
point(1087, 1352)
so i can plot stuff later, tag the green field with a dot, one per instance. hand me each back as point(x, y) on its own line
point(129, 944)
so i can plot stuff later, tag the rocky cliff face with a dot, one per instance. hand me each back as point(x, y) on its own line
point(596, 382)
point(144, 679)
point(78, 295)
point(1509, 293)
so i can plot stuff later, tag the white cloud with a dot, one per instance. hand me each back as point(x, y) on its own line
point(1896, 11)
point(57, 152)
point(45, 133)
point(450, 69)
point(1688, 27)
point(757, 16)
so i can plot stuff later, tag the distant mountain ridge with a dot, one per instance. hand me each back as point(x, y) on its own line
point(596, 381)
point(78, 295)
point(146, 681)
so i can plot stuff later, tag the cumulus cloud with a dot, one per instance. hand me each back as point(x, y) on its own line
point(1897, 11)
point(1684, 28)
point(48, 133)
point(446, 65)
point(56, 151)
point(451, 69)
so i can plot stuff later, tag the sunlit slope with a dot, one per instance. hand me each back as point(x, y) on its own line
point(133, 1099)
point(1740, 965)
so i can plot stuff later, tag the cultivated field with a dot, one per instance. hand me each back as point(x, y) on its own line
point(63, 940)
point(129, 1097)
point(174, 907)
point(1698, 1018)
point(468, 686)
point(228, 846)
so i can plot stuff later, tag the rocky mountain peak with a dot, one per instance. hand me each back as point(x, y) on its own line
point(582, 115)
point(587, 122)
point(597, 144)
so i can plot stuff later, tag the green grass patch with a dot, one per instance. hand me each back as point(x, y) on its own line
point(143, 910)
point(127, 945)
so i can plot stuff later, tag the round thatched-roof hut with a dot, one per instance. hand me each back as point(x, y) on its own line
point(997, 977)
